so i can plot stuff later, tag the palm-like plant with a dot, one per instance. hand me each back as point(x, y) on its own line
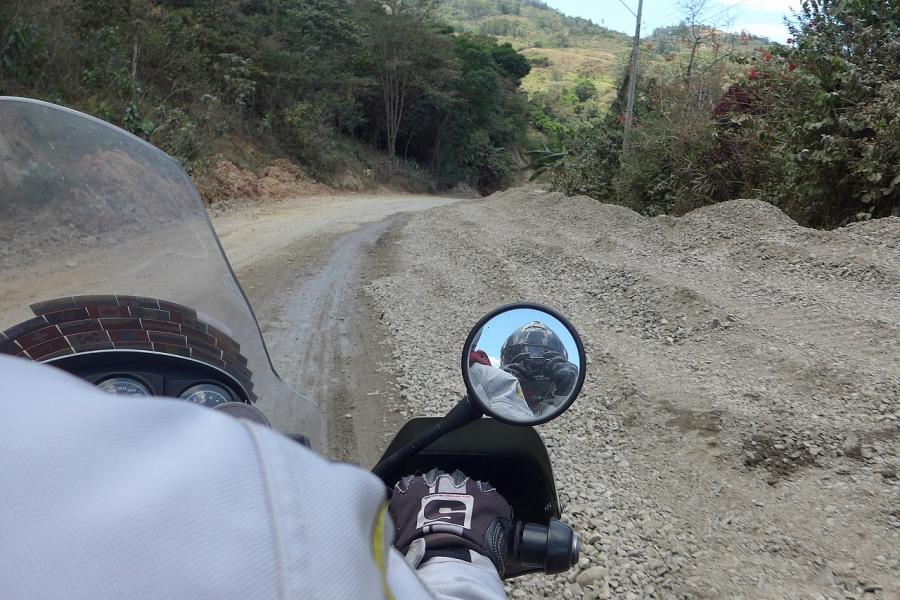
point(543, 159)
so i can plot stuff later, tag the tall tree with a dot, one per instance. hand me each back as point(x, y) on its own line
point(701, 28)
point(398, 35)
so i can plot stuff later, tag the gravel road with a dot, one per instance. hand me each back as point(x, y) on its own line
point(737, 435)
point(303, 264)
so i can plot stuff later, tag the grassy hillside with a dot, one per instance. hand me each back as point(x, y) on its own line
point(566, 52)
point(525, 23)
point(563, 50)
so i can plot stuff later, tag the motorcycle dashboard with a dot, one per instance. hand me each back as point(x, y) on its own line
point(149, 374)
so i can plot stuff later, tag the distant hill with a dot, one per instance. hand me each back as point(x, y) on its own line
point(667, 50)
point(668, 39)
point(563, 50)
point(568, 53)
point(526, 23)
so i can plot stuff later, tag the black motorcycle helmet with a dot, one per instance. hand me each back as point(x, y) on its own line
point(531, 341)
point(525, 348)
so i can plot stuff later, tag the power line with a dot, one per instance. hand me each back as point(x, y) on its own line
point(726, 9)
point(622, 2)
point(668, 14)
point(664, 19)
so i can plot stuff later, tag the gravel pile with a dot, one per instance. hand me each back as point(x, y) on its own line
point(739, 429)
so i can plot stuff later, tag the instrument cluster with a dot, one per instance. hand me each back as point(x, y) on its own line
point(156, 374)
point(207, 394)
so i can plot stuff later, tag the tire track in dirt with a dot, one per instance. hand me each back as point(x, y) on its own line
point(304, 265)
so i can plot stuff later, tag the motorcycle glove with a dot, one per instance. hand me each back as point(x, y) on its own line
point(561, 371)
point(448, 514)
point(519, 371)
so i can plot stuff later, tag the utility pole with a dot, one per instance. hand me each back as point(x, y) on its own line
point(632, 77)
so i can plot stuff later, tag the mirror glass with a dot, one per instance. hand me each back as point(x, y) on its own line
point(523, 366)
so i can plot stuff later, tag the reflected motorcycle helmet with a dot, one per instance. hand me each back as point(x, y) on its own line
point(531, 341)
point(525, 349)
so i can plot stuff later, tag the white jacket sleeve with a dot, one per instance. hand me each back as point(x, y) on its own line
point(445, 579)
point(110, 497)
point(453, 579)
point(501, 390)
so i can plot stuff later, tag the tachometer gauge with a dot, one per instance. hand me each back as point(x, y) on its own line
point(124, 386)
point(207, 394)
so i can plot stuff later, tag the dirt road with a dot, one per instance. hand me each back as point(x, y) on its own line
point(737, 435)
point(304, 263)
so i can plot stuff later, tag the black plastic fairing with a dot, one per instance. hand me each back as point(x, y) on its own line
point(513, 458)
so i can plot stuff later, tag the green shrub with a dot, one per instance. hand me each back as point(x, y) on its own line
point(501, 26)
point(827, 108)
point(672, 149)
point(585, 90)
point(539, 60)
point(811, 127)
point(591, 164)
point(22, 51)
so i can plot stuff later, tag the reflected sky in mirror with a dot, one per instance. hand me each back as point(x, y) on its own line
point(495, 332)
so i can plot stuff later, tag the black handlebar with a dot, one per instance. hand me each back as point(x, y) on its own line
point(552, 548)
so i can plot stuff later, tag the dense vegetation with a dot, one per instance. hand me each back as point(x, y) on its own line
point(295, 77)
point(811, 126)
point(435, 90)
point(577, 65)
point(575, 62)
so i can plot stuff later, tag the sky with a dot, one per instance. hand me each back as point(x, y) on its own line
point(495, 332)
point(760, 17)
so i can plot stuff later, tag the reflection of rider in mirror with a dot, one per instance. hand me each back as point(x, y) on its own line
point(501, 390)
point(539, 360)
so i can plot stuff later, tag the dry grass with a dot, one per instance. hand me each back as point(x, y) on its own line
point(568, 65)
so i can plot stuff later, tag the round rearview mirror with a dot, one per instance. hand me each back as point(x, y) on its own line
point(523, 364)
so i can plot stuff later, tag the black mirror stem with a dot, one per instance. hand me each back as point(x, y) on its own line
point(460, 415)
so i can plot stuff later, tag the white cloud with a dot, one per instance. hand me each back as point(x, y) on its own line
point(782, 6)
point(494, 361)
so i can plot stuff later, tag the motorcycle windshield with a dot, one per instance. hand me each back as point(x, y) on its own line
point(91, 212)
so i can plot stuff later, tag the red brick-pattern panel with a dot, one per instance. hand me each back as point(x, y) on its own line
point(39, 337)
point(79, 326)
point(42, 308)
point(108, 312)
point(17, 331)
point(156, 325)
point(72, 314)
point(75, 324)
point(41, 350)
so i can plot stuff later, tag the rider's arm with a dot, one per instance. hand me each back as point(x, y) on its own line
point(108, 497)
point(452, 579)
point(446, 578)
point(501, 390)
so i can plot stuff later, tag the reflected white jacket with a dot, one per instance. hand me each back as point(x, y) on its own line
point(113, 497)
point(501, 390)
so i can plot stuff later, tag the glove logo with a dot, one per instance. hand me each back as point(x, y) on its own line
point(446, 509)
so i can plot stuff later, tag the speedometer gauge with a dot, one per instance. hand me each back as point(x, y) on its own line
point(207, 394)
point(124, 386)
